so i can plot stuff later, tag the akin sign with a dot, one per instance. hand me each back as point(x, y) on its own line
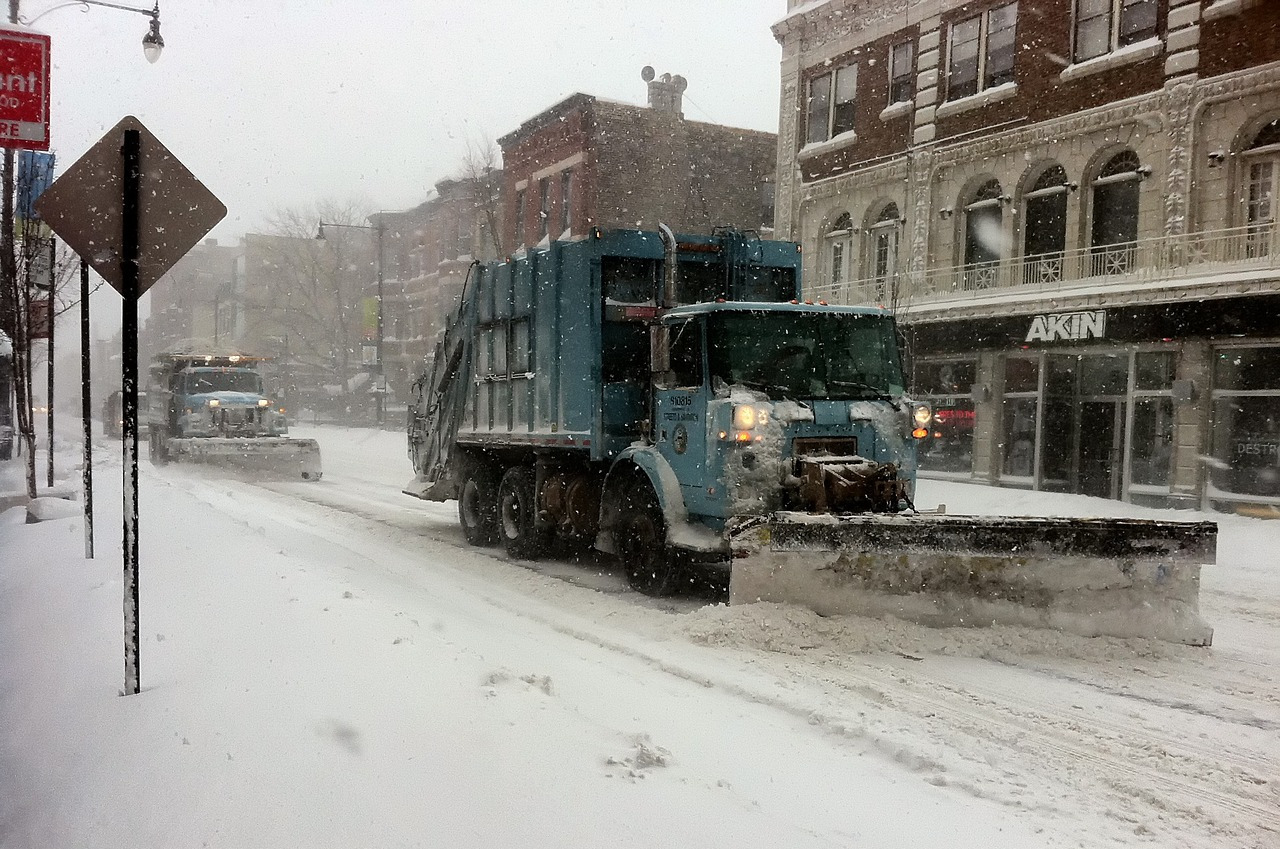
point(24, 89)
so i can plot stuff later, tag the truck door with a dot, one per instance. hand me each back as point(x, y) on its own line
point(680, 411)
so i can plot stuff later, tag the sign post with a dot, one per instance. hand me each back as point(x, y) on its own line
point(131, 209)
point(24, 89)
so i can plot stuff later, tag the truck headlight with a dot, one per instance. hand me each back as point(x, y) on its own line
point(922, 414)
point(746, 418)
point(263, 402)
point(214, 402)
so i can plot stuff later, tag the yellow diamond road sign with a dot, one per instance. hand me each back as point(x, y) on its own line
point(85, 207)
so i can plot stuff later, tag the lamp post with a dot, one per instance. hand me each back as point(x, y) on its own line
point(380, 387)
point(152, 42)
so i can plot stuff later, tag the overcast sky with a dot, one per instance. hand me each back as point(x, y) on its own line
point(281, 103)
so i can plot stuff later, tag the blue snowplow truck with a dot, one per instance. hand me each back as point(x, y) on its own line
point(672, 400)
point(212, 408)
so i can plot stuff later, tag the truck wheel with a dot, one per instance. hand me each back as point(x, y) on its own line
point(478, 506)
point(517, 515)
point(640, 540)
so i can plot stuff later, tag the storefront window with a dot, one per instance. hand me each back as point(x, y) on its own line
point(1152, 443)
point(1153, 370)
point(1019, 437)
point(947, 386)
point(1246, 422)
point(1104, 374)
point(1021, 400)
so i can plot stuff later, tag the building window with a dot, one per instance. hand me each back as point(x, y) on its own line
point(980, 51)
point(1246, 423)
point(983, 236)
point(1262, 160)
point(1115, 215)
point(1044, 236)
point(566, 201)
point(519, 216)
point(882, 237)
point(1106, 25)
point(544, 207)
point(838, 249)
point(1019, 411)
point(831, 99)
point(901, 72)
point(767, 200)
point(947, 386)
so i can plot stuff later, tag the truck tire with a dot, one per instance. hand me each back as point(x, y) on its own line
point(640, 540)
point(517, 515)
point(478, 505)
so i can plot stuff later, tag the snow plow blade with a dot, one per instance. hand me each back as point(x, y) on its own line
point(271, 457)
point(1094, 577)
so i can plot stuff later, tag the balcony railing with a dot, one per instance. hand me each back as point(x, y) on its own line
point(1165, 258)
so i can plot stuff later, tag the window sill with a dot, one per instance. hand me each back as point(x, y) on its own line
point(1115, 59)
point(896, 110)
point(1223, 8)
point(834, 143)
point(977, 101)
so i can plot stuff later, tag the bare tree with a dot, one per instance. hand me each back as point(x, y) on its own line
point(303, 297)
point(482, 172)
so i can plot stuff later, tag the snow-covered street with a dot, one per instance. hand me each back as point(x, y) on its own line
point(329, 664)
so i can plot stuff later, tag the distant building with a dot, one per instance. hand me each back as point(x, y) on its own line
point(430, 249)
point(1071, 205)
point(192, 300)
point(589, 162)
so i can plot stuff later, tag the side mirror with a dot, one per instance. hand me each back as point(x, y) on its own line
point(659, 349)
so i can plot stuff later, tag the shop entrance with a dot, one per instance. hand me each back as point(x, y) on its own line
point(1101, 441)
point(1085, 407)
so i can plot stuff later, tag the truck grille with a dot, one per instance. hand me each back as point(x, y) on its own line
point(232, 420)
point(836, 446)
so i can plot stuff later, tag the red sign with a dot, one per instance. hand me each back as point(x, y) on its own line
point(24, 90)
point(38, 319)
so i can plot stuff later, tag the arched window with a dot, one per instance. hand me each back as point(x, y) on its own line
point(1044, 227)
point(1262, 170)
point(882, 253)
point(1115, 215)
point(837, 249)
point(983, 236)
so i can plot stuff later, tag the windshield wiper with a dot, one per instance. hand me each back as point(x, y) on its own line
point(876, 393)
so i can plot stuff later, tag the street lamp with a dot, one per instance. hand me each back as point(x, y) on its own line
point(380, 388)
point(152, 42)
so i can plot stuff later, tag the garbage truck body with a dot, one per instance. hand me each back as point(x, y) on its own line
point(213, 408)
point(671, 400)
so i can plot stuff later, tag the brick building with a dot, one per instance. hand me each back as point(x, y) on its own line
point(429, 250)
point(1071, 205)
point(588, 162)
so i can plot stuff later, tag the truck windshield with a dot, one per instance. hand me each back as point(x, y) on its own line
point(806, 355)
point(218, 380)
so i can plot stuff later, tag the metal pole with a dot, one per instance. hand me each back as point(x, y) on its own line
point(379, 374)
point(129, 398)
point(86, 472)
point(53, 252)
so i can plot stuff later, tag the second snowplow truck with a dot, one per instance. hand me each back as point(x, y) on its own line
point(672, 401)
point(212, 408)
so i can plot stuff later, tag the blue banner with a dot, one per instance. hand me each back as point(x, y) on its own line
point(35, 173)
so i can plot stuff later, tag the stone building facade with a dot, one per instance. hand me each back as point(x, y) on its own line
point(590, 162)
point(1071, 205)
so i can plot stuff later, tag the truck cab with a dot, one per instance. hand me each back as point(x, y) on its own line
point(747, 394)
